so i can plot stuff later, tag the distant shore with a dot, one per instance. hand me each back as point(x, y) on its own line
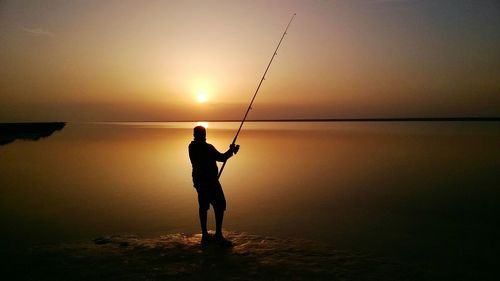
point(9, 132)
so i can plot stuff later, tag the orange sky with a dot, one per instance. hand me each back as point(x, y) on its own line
point(148, 60)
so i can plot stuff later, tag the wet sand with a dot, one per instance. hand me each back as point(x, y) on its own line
point(181, 257)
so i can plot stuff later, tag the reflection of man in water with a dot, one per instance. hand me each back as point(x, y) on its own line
point(203, 159)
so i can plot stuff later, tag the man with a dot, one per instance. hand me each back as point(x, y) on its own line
point(203, 158)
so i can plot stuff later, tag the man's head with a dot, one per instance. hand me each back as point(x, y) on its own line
point(199, 133)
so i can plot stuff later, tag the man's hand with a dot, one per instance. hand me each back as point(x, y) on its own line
point(234, 148)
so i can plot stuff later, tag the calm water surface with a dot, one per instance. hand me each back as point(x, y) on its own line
point(416, 191)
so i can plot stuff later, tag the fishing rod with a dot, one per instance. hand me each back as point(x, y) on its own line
point(256, 91)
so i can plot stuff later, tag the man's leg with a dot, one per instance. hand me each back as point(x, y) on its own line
point(219, 209)
point(203, 206)
point(203, 221)
point(219, 217)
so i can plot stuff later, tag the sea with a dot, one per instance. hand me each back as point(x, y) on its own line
point(420, 193)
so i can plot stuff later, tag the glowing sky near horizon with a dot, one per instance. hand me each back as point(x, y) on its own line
point(153, 60)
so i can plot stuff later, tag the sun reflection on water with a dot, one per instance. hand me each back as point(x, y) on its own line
point(202, 123)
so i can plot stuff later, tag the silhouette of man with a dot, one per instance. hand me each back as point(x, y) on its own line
point(203, 158)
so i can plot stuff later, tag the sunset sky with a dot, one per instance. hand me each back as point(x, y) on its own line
point(190, 60)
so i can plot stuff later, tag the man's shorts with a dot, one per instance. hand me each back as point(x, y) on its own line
point(211, 194)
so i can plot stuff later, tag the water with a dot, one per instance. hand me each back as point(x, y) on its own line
point(422, 193)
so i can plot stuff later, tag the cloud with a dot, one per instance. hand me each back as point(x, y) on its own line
point(38, 32)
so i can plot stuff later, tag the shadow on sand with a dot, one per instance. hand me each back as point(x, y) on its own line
point(10, 132)
point(181, 257)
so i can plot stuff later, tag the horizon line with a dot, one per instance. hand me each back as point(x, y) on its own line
point(390, 119)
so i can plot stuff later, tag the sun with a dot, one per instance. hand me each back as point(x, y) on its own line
point(201, 97)
point(202, 89)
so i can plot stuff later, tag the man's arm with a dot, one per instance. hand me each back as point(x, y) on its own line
point(221, 157)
